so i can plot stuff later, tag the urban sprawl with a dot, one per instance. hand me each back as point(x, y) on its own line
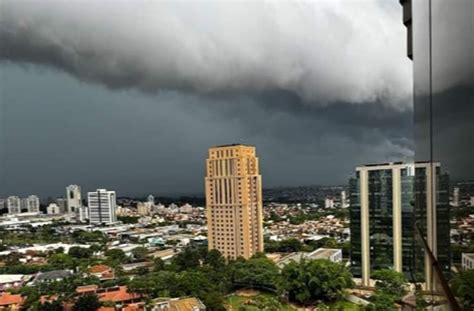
point(349, 247)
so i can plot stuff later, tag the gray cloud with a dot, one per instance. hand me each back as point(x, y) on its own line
point(318, 87)
point(323, 51)
point(61, 132)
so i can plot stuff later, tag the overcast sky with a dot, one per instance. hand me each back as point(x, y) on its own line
point(128, 95)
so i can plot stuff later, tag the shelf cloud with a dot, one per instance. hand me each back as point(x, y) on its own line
point(322, 51)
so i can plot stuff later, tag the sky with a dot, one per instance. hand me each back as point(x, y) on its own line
point(129, 95)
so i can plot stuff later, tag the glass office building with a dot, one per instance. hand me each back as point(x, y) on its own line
point(386, 205)
point(441, 45)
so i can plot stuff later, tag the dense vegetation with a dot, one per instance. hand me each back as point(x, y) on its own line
point(463, 286)
point(201, 273)
point(390, 287)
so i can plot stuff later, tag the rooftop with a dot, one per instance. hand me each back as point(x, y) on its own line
point(117, 294)
point(99, 269)
point(7, 299)
point(52, 275)
point(11, 278)
point(232, 145)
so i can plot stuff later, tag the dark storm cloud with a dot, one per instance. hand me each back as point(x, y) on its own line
point(318, 87)
point(322, 51)
point(60, 132)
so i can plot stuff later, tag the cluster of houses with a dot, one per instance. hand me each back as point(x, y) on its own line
point(119, 296)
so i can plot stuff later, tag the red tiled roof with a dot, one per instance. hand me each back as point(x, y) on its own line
point(7, 299)
point(99, 269)
point(86, 289)
point(106, 309)
point(120, 295)
point(133, 308)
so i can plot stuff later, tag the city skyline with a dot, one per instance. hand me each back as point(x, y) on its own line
point(284, 99)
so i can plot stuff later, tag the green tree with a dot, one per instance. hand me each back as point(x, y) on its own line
point(158, 264)
point(139, 253)
point(390, 282)
point(214, 301)
point(382, 302)
point(61, 261)
point(463, 286)
point(189, 258)
point(420, 301)
point(88, 302)
point(215, 259)
point(80, 252)
point(267, 303)
point(290, 245)
point(141, 285)
point(311, 280)
point(116, 255)
point(258, 272)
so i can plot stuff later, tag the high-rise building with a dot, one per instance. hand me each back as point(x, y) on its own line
point(102, 206)
point(328, 203)
point(456, 197)
point(13, 205)
point(234, 201)
point(74, 198)
point(83, 213)
point(62, 203)
point(53, 209)
point(33, 204)
point(343, 199)
point(3, 204)
point(151, 199)
point(441, 45)
point(144, 208)
point(383, 219)
point(23, 204)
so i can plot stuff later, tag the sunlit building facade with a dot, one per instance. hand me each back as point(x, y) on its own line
point(102, 206)
point(234, 201)
point(13, 205)
point(74, 198)
point(33, 204)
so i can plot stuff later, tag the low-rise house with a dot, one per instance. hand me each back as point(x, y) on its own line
point(51, 276)
point(178, 304)
point(10, 302)
point(331, 254)
point(103, 272)
point(13, 281)
point(117, 294)
point(134, 307)
point(165, 254)
point(467, 261)
point(334, 255)
point(132, 266)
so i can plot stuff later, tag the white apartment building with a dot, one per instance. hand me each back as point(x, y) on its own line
point(102, 206)
point(467, 261)
point(73, 198)
point(53, 209)
point(144, 208)
point(33, 204)
point(329, 203)
point(14, 205)
point(83, 213)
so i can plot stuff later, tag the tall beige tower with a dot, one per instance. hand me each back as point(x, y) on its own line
point(234, 201)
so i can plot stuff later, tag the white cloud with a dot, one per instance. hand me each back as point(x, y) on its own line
point(324, 51)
